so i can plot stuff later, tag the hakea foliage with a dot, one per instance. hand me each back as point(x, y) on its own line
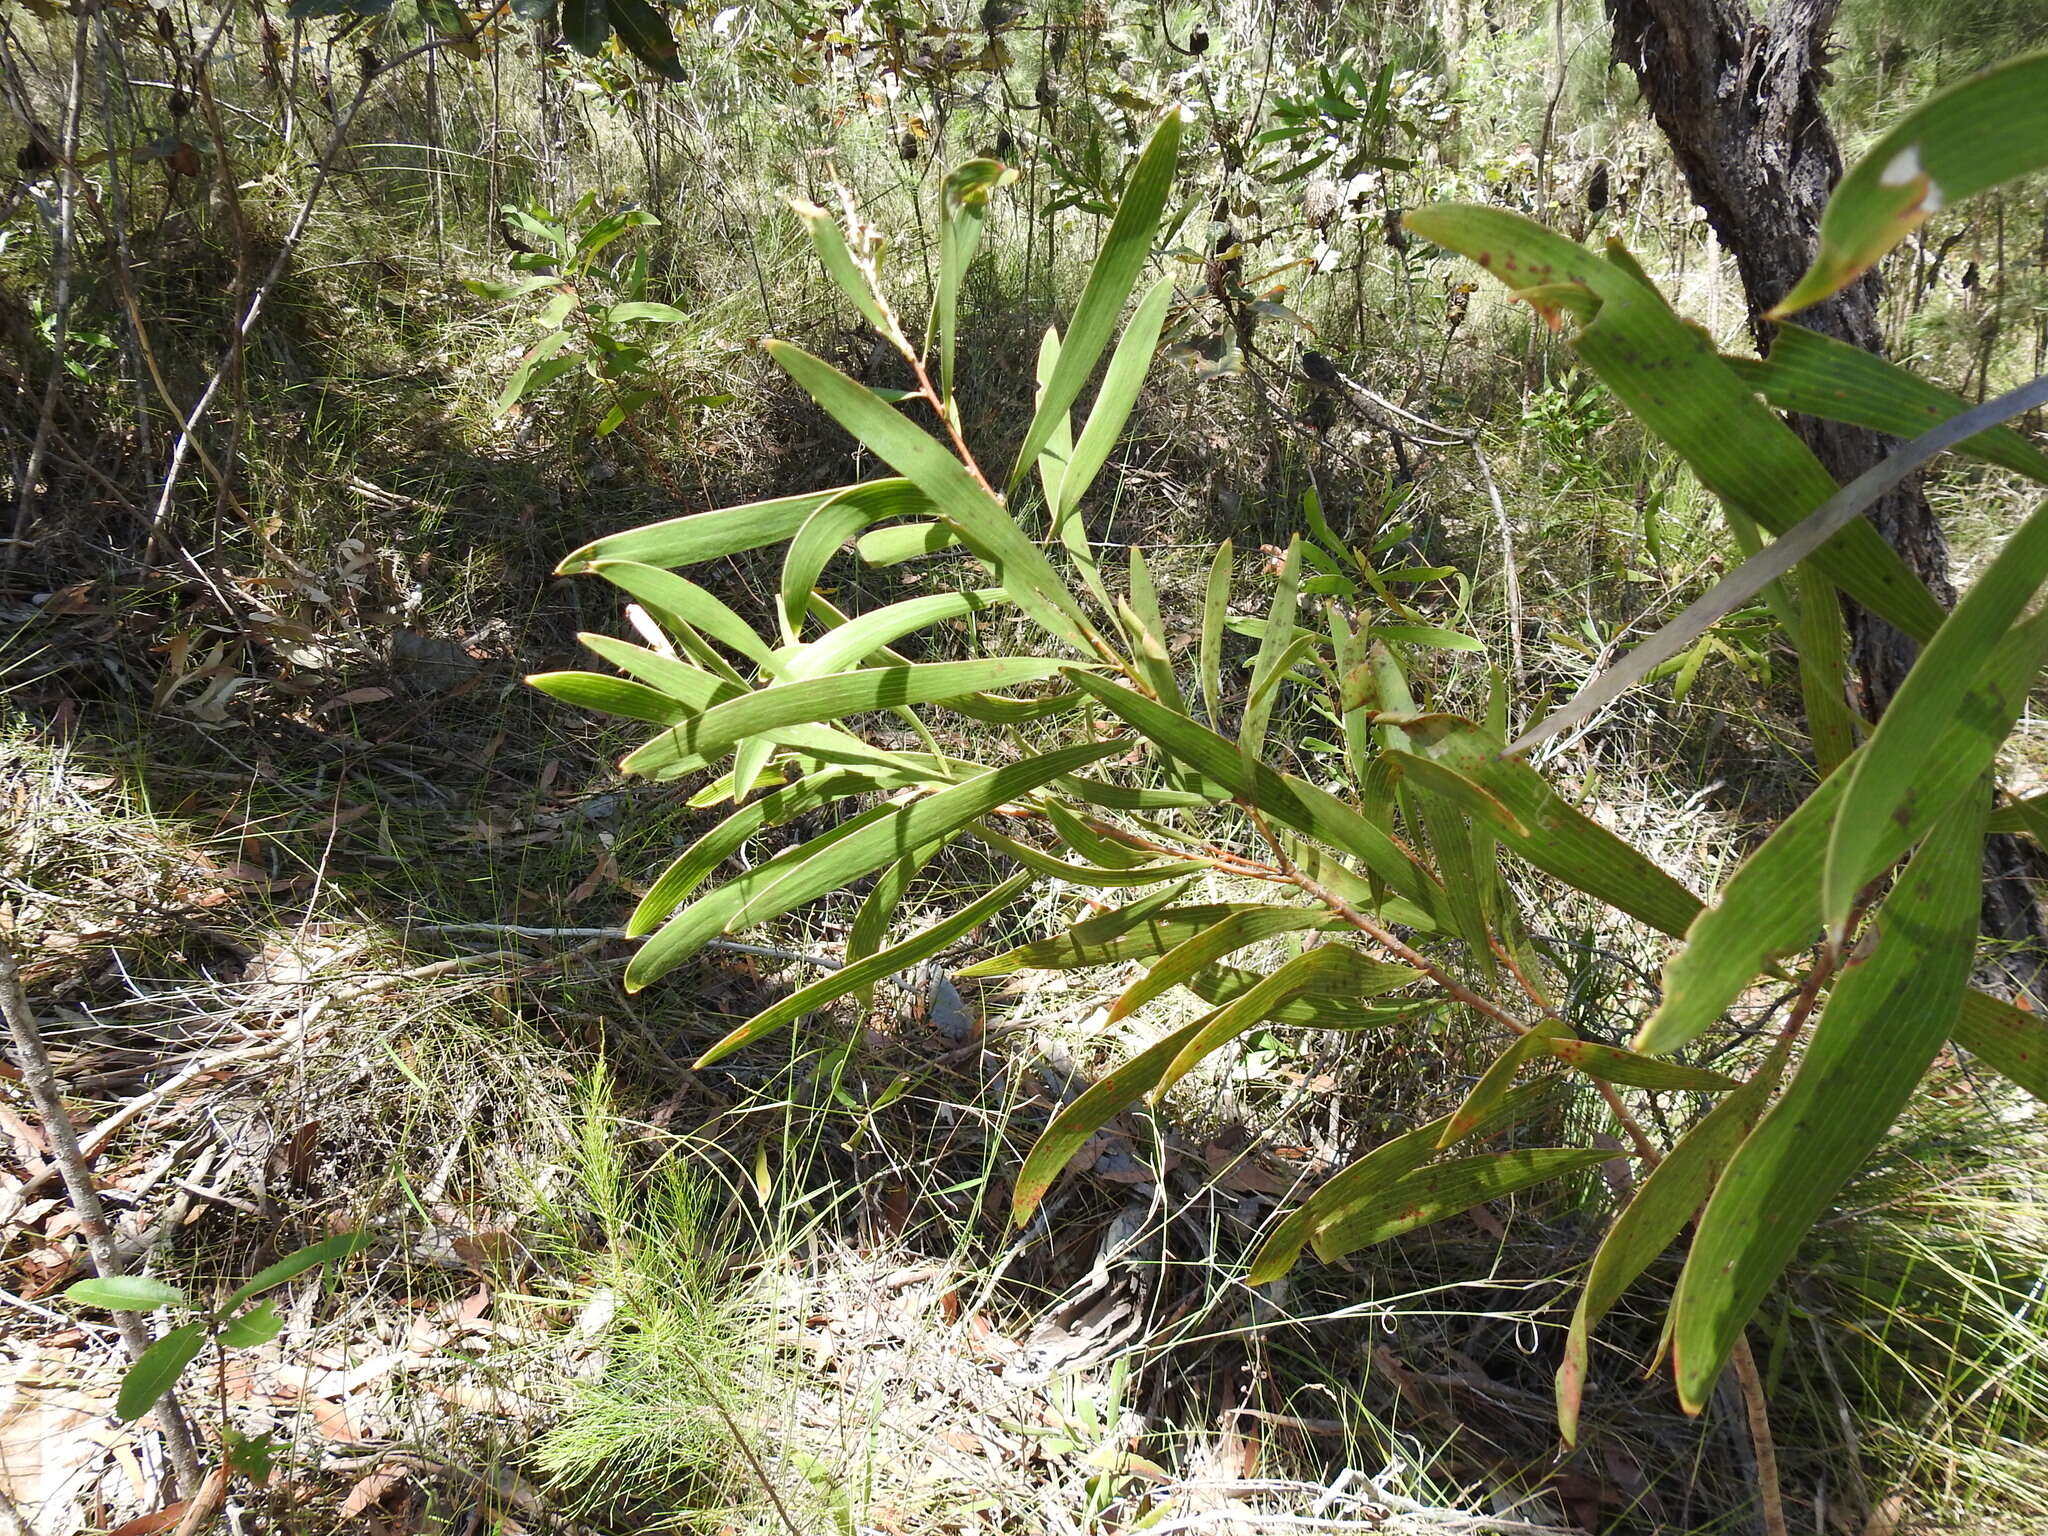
point(1390, 890)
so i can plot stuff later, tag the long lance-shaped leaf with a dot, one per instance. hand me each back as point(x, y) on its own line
point(866, 972)
point(703, 535)
point(1215, 610)
point(1273, 644)
point(1882, 778)
point(1084, 874)
point(843, 855)
point(1663, 1204)
point(1128, 366)
point(701, 740)
point(1376, 1171)
point(853, 511)
point(984, 525)
point(1670, 378)
point(868, 933)
point(150, 1377)
point(1817, 375)
point(1778, 558)
point(1332, 998)
point(585, 25)
point(1498, 1078)
point(1296, 802)
point(2012, 1040)
point(1141, 621)
point(905, 541)
point(1247, 1012)
point(2029, 816)
point(1138, 931)
point(837, 257)
point(1987, 129)
point(869, 633)
point(688, 685)
point(645, 32)
point(1226, 937)
point(1883, 1024)
point(1612, 1064)
point(1771, 904)
point(1540, 825)
point(610, 695)
point(679, 595)
point(1117, 265)
point(1058, 451)
point(963, 211)
point(695, 863)
point(1445, 1189)
point(1068, 1131)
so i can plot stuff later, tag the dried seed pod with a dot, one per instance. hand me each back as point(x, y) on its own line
point(1596, 189)
point(1198, 41)
point(1397, 236)
point(34, 156)
point(907, 146)
point(1320, 200)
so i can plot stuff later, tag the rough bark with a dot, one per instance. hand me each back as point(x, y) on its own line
point(1738, 98)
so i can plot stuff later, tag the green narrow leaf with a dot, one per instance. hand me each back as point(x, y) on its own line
point(1128, 366)
point(610, 695)
point(1084, 874)
point(1879, 1030)
point(647, 37)
point(963, 209)
point(259, 1325)
point(150, 1377)
point(703, 535)
point(1247, 1012)
point(1125, 249)
point(1148, 634)
point(1445, 1189)
point(826, 531)
point(1882, 786)
point(983, 524)
point(1771, 904)
point(846, 853)
point(1612, 1064)
point(866, 972)
point(1367, 1177)
point(1258, 709)
point(1215, 611)
point(330, 1250)
point(1204, 949)
point(702, 739)
point(1817, 375)
point(125, 1293)
point(868, 934)
point(893, 546)
point(1287, 799)
point(1663, 1203)
point(2011, 1039)
point(1985, 130)
point(869, 635)
point(1498, 1078)
point(1137, 931)
point(837, 257)
point(1068, 1131)
point(585, 25)
point(666, 591)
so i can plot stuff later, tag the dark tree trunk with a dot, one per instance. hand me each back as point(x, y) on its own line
point(1739, 100)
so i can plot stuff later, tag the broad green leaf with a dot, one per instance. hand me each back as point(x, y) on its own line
point(843, 855)
point(1612, 1064)
point(646, 34)
point(1887, 1017)
point(534, 371)
point(1068, 1131)
point(641, 310)
point(1771, 904)
point(1445, 1189)
point(703, 535)
point(585, 25)
point(1295, 802)
point(1498, 1078)
point(691, 686)
point(826, 531)
point(1215, 611)
point(1670, 378)
point(1367, 1177)
point(2029, 816)
point(150, 1377)
point(982, 523)
point(1221, 938)
point(2011, 1039)
point(1246, 1012)
point(696, 863)
point(1128, 366)
point(1258, 709)
point(665, 590)
point(125, 1293)
point(867, 971)
point(702, 739)
point(329, 1250)
point(1883, 787)
point(1817, 375)
point(259, 1325)
point(1985, 130)
point(1662, 1205)
point(1125, 249)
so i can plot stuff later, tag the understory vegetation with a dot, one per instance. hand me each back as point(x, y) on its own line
point(819, 767)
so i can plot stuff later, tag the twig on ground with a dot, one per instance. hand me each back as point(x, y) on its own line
point(66, 1153)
